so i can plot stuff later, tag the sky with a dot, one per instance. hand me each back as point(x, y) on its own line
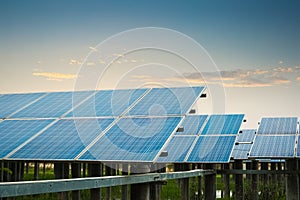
point(254, 44)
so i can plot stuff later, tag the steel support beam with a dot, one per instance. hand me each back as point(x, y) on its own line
point(9, 189)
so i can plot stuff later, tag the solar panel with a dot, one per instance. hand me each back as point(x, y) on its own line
point(10, 103)
point(298, 147)
point(212, 149)
point(64, 140)
point(192, 124)
point(284, 125)
point(166, 101)
point(241, 151)
point(177, 149)
point(223, 124)
point(53, 105)
point(15, 132)
point(133, 139)
point(275, 146)
point(107, 103)
point(247, 135)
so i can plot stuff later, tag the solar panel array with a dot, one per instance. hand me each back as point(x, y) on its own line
point(243, 144)
point(276, 138)
point(106, 125)
point(212, 142)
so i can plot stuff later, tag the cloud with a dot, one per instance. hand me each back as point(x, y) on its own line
point(93, 48)
point(55, 76)
point(75, 62)
point(235, 78)
point(90, 63)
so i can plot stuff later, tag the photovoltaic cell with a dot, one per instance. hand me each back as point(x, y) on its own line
point(223, 124)
point(10, 103)
point(284, 125)
point(13, 133)
point(192, 124)
point(247, 135)
point(267, 146)
point(212, 149)
point(133, 139)
point(166, 101)
point(298, 147)
point(64, 140)
point(177, 149)
point(107, 103)
point(53, 105)
point(241, 151)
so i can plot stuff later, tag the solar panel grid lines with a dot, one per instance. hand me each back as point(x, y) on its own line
point(15, 132)
point(137, 100)
point(191, 149)
point(53, 105)
point(177, 148)
point(27, 105)
point(166, 101)
point(273, 146)
point(31, 138)
point(278, 125)
point(212, 149)
point(109, 103)
point(93, 142)
point(241, 151)
point(247, 135)
point(192, 124)
point(76, 105)
point(223, 124)
point(10, 103)
point(169, 139)
point(133, 139)
point(63, 141)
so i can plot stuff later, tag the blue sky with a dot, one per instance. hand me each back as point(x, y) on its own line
point(255, 44)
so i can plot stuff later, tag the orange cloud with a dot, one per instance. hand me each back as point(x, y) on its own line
point(55, 76)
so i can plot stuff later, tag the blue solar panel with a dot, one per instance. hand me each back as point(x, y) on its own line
point(298, 147)
point(266, 146)
point(284, 125)
point(166, 101)
point(13, 133)
point(223, 124)
point(247, 135)
point(133, 139)
point(10, 103)
point(177, 149)
point(107, 103)
point(212, 149)
point(241, 151)
point(192, 124)
point(53, 105)
point(64, 140)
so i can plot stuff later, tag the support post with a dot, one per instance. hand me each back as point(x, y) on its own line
point(95, 170)
point(239, 183)
point(210, 184)
point(36, 171)
point(254, 187)
point(226, 180)
point(108, 172)
point(292, 181)
point(140, 191)
point(124, 187)
point(76, 173)
point(2, 171)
